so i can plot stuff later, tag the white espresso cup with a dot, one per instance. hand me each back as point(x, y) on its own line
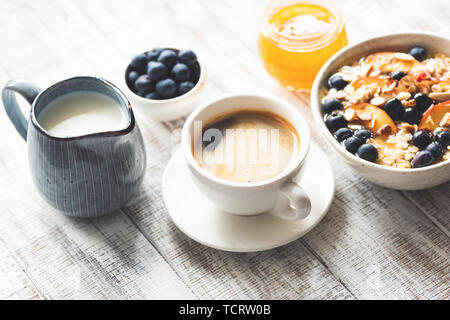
point(279, 195)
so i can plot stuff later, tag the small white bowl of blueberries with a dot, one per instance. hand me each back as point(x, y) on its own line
point(164, 83)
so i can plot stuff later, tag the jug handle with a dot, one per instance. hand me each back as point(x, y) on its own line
point(27, 90)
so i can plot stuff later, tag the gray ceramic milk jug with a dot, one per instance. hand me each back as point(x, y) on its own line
point(87, 175)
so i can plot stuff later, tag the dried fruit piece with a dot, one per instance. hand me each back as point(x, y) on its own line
point(432, 118)
point(388, 62)
point(378, 117)
point(369, 81)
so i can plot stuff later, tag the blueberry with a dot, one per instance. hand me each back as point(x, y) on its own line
point(418, 53)
point(184, 87)
point(153, 96)
point(187, 57)
point(166, 88)
point(139, 63)
point(335, 121)
point(367, 152)
point(156, 70)
point(363, 134)
point(195, 72)
point(330, 105)
point(443, 137)
point(131, 78)
point(168, 57)
point(143, 84)
point(422, 159)
point(411, 115)
point(421, 139)
point(153, 54)
point(423, 102)
point(435, 149)
point(394, 108)
point(180, 72)
point(343, 133)
point(336, 81)
point(398, 75)
point(352, 144)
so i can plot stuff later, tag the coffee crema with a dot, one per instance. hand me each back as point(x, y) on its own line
point(80, 113)
point(247, 146)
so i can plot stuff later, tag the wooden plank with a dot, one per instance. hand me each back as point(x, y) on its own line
point(435, 204)
point(14, 283)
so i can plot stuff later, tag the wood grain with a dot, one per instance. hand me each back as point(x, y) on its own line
point(75, 258)
point(14, 283)
point(374, 242)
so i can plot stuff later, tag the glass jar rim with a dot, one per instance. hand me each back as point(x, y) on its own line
point(302, 43)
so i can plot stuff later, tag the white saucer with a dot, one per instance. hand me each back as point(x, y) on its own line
point(200, 220)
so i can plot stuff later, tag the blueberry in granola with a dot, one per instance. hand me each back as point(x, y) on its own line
point(435, 149)
point(422, 159)
point(367, 152)
point(421, 139)
point(443, 137)
point(352, 144)
point(335, 121)
point(343, 133)
point(418, 53)
point(423, 102)
point(394, 108)
point(336, 81)
point(398, 75)
point(330, 105)
point(411, 115)
point(363, 134)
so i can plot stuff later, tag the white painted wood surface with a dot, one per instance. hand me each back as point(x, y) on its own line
point(374, 243)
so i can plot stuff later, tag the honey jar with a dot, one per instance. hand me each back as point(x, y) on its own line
point(298, 37)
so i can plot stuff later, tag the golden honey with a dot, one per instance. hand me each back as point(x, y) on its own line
point(297, 38)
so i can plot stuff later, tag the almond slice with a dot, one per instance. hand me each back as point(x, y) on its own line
point(440, 96)
point(403, 96)
point(350, 114)
point(445, 122)
point(403, 56)
point(365, 116)
point(378, 101)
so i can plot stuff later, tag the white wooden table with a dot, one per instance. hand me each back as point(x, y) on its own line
point(374, 242)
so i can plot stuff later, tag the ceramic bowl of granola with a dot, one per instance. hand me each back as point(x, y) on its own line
point(384, 106)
